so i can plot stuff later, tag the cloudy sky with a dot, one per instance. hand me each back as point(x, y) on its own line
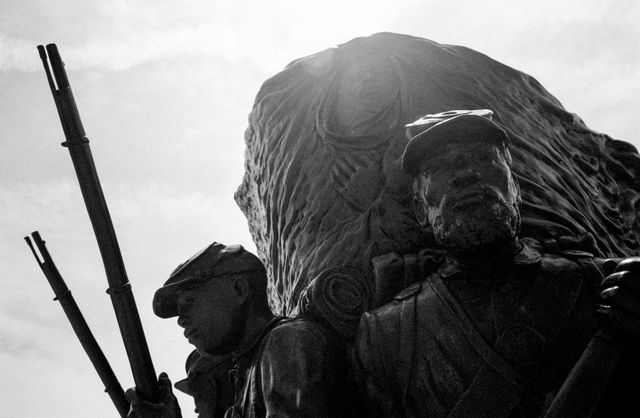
point(164, 89)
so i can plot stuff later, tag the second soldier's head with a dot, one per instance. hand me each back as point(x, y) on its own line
point(464, 189)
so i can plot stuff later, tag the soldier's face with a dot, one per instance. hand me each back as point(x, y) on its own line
point(469, 195)
point(212, 316)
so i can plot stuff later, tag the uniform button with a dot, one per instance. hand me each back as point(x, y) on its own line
point(522, 345)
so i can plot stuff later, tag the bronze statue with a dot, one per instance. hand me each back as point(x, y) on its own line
point(279, 366)
point(207, 382)
point(323, 185)
point(486, 322)
point(495, 325)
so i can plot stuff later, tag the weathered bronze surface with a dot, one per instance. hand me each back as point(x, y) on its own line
point(457, 266)
point(323, 185)
point(248, 362)
point(208, 383)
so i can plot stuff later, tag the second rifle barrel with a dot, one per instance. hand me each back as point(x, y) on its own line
point(79, 325)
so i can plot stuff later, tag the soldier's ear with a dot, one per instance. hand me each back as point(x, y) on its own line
point(240, 288)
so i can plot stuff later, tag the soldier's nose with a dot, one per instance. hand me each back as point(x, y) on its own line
point(182, 321)
point(465, 178)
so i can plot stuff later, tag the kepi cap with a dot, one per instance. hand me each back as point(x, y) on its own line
point(430, 132)
point(216, 260)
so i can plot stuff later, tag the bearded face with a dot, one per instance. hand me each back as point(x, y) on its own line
point(467, 196)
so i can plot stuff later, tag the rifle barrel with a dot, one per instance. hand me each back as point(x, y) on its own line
point(79, 325)
point(119, 287)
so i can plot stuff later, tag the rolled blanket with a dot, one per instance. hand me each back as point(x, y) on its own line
point(338, 296)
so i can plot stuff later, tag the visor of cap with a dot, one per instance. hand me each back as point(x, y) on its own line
point(165, 300)
point(417, 127)
point(466, 127)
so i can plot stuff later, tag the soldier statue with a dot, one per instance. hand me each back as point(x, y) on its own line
point(279, 366)
point(494, 323)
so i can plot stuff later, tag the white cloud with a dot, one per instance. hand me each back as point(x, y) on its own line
point(122, 34)
point(16, 54)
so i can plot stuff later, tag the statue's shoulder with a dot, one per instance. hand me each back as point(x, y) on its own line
point(554, 253)
point(379, 317)
point(391, 320)
point(567, 262)
point(395, 274)
point(408, 293)
point(300, 329)
point(385, 341)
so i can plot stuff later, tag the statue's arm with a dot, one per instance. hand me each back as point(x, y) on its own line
point(372, 356)
point(301, 368)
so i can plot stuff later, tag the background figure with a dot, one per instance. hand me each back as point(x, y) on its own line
point(208, 383)
point(323, 185)
point(494, 328)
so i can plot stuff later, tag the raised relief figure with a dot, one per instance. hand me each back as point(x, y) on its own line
point(279, 367)
point(493, 327)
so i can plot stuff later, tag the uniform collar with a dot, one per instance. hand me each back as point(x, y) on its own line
point(526, 255)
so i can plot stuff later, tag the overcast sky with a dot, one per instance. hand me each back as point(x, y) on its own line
point(164, 89)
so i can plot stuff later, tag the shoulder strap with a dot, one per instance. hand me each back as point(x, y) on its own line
point(411, 270)
point(408, 337)
point(488, 396)
point(393, 272)
point(387, 269)
point(484, 350)
point(497, 388)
